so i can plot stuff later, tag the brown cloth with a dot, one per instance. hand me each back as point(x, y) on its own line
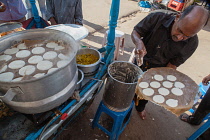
point(185, 101)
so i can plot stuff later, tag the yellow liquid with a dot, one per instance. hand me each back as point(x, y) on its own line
point(86, 59)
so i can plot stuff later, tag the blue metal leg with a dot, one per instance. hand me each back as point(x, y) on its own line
point(200, 131)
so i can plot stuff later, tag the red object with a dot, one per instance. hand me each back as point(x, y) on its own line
point(64, 116)
point(31, 24)
point(175, 5)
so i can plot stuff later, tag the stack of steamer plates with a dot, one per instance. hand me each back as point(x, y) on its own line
point(32, 59)
point(78, 32)
point(169, 88)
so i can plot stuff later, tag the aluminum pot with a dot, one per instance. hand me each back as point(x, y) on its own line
point(47, 92)
point(91, 69)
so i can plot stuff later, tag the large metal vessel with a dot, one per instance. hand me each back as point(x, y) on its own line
point(47, 92)
point(120, 85)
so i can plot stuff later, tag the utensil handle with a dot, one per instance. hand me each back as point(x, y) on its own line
point(11, 93)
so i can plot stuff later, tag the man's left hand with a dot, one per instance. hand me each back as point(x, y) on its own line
point(2, 7)
point(171, 66)
point(78, 23)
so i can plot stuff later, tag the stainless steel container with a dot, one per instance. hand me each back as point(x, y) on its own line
point(9, 26)
point(44, 93)
point(120, 85)
point(91, 69)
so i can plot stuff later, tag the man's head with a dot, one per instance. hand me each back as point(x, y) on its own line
point(189, 23)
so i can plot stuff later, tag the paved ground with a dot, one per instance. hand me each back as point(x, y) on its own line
point(159, 124)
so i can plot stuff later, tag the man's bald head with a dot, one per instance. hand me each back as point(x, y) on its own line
point(195, 16)
point(189, 23)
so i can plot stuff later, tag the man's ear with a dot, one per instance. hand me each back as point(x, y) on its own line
point(178, 15)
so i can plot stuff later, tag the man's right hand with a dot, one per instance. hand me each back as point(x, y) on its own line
point(52, 21)
point(2, 7)
point(140, 50)
point(206, 80)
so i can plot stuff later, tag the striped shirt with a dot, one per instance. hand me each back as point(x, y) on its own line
point(64, 11)
point(15, 10)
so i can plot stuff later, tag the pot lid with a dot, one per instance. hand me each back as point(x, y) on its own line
point(78, 32)
point(5, 27)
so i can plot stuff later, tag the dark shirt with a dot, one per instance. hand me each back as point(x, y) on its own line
point(161, 49)
point(65, 11)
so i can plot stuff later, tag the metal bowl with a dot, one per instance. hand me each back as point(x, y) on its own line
point(5, 27)
point(91, 69)
point(10, 27)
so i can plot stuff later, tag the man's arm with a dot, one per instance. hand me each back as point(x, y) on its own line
point(140, 48)
point(2, 7)
point(143, 29)
point(78, 13)
point(49, 12)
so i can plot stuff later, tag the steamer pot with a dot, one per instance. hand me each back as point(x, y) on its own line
point(47, 92)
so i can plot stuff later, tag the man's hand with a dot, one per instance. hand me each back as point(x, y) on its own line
point(78, 23)
point(2, 7)
point(206, 80)
point(52, 21)
point(140, 50)
point(171, 66)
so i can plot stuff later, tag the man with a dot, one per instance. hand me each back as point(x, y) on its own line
point(15, 11)
point(64, 11)
point(165, 40)
point(203, 109)
point(2, 7)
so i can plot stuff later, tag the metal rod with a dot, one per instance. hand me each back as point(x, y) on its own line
point(114, 12)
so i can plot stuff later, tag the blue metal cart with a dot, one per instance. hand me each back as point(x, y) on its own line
point(71, 108)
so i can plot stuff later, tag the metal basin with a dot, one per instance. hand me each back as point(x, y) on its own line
point(44, 93)
point(91, 69)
